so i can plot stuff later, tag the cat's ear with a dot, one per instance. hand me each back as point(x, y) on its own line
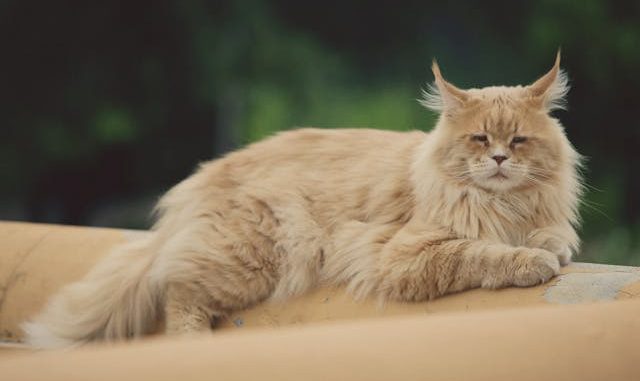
point(442, 96)
point(550, 90)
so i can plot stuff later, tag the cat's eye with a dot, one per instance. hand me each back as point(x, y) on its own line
point(518, 139)
point(479, 138)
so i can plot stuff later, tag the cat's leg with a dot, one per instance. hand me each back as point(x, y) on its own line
point(211, 269)
point(419, 265)
point(560, 240)
point(301, 245)
point(353, 259)
point(206, 286)
point(188, 309)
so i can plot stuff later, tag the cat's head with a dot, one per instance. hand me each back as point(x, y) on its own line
point(501, 138)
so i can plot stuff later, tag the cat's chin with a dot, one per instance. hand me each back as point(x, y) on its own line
point(498, 183)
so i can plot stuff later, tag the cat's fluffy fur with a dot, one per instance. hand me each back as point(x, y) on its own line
point(398, 216)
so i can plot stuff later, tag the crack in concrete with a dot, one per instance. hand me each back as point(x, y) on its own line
point(14, 275)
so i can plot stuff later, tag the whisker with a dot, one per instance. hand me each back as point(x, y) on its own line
point(593, 206)
point(591, 187)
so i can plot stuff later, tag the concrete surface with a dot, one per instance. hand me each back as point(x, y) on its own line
point(38, 259)
point(571, 342)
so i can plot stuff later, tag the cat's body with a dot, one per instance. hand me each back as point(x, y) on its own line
point(397, 216)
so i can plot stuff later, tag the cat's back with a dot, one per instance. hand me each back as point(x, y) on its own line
point(309, 156)
point(333, 172)
point(325, 145)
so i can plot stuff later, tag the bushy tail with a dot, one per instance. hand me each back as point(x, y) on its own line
point(117, 299)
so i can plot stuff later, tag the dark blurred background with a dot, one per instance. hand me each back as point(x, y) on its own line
point(105, 105)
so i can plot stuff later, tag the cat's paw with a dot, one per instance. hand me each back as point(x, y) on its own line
point(535, 266)
point(542, 239)
point(561, 250)
point(564, 256)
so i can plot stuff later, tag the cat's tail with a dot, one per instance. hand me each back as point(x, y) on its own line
point(116, 300)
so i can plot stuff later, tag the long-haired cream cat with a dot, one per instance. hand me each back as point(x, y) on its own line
point(487, 199)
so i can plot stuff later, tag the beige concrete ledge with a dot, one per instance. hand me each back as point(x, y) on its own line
point(578, 342)
point(38, 259)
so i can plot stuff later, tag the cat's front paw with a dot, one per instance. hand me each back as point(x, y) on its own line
point(560, 249)
point(543, 239)
point(535, 266)
point(562, 252)
point(564, 255)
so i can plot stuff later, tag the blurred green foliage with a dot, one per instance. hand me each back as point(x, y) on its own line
point(112, 100)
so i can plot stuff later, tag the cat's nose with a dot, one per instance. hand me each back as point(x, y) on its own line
point(499, 158)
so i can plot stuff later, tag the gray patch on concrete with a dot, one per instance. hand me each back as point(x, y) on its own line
point(602, 267)
point(590, 287)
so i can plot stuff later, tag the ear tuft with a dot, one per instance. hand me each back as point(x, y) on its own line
point(551, 89)
point(432, 99)
point(557, 94)
point(440, 95)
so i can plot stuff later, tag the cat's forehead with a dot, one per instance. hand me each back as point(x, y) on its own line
point(500, 109)
point(503, 94)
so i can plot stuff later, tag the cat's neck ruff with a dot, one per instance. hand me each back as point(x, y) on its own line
point(477, 214)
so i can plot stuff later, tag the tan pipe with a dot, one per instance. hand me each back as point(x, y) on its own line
point(38, 259)
point(581, 342)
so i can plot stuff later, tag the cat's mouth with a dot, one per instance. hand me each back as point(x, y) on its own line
point(499, 176)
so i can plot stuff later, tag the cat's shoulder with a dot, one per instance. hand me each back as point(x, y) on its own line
point(311, 134)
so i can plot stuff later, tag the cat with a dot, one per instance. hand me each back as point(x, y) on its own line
point(487, 199)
